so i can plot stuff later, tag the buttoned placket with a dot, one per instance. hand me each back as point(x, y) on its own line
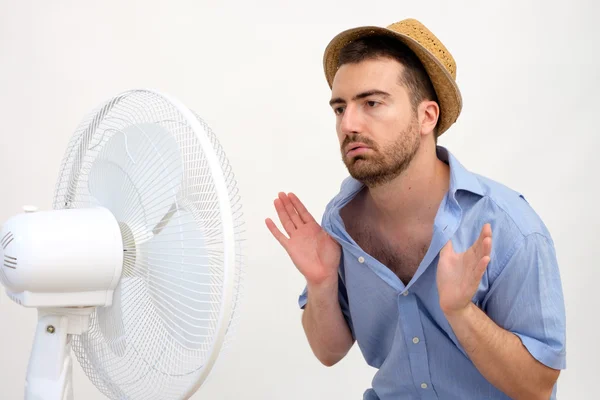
point(410, 323)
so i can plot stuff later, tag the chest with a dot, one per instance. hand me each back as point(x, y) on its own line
point(400, 250)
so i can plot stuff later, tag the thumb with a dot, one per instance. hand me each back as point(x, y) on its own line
point(448, 249)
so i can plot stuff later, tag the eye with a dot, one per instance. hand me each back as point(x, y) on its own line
point(372, 103)
point(338, 110)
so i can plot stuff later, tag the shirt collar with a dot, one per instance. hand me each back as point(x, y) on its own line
point(460, 179)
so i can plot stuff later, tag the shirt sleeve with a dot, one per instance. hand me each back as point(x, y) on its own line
point(527, 299)
point(342, 297)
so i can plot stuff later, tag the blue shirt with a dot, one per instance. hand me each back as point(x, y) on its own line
point(402, 331)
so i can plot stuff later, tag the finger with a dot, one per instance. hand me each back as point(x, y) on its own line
point(286, 222)
point(481, 266)
point(483, 251)
point(289, 207)
point(276, 233)
point(485, 241)
point(477, 248)
point(480, 237)
point(305, 216)
point(486, 231)
point(486, 247)
point(448, 248)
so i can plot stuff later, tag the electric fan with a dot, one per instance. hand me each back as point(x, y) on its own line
point(138, 267)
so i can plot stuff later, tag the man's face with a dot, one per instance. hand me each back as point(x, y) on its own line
point(376, 125)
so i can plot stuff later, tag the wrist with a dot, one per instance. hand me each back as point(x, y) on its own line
point(323, 287)
point(459, 313)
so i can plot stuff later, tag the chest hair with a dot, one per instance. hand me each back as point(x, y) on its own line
point(402, 254)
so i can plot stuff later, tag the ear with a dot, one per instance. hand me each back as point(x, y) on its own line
point(429, 112)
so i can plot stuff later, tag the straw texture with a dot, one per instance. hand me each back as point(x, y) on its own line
point(435, 57)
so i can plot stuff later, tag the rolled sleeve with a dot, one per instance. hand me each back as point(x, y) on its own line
point(527, 299)
point(303, 298)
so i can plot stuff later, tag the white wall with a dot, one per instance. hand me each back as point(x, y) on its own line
point(529, 73)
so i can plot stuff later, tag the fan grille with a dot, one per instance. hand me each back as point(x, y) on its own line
point(138, 156)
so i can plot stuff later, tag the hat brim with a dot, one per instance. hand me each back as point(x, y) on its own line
point(448, 93)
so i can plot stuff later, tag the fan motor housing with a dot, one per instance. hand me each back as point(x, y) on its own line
point(62, 258)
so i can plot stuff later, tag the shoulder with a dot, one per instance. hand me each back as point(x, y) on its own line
point(515, 224)
point(511, 208)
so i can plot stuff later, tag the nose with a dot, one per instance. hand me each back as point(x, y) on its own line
point(351, 121)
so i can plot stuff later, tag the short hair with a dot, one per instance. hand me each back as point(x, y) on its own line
point(414, 76)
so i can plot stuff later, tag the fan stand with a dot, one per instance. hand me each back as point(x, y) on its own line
point(50, 369)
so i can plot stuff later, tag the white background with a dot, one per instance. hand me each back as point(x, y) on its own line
point(529, 73)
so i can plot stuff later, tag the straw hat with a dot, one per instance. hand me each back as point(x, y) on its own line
point(434, 56)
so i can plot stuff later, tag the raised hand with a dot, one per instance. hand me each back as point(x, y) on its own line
point(459, 274)
point(312, 250)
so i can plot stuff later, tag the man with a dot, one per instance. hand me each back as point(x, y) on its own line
point(405, 262)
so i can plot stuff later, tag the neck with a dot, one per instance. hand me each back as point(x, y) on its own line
point(414, 196)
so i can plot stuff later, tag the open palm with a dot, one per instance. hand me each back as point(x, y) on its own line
point(312, 250)
point(459, 274)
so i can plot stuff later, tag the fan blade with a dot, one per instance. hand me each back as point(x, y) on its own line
point(110, 321)
point(179, 279)
point(84, 146)
point(142, 193)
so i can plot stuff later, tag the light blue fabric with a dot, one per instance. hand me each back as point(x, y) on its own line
point(520, 290)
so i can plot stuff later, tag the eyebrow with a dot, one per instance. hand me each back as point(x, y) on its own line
point(339, 100)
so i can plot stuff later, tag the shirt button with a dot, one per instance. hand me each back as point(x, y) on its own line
point(424, 385)
point(405, 293)
point(361, 259)
point(415, 340)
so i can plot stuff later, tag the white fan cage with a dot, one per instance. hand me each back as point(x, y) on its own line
point(141, 156)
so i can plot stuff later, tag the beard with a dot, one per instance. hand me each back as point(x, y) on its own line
point(382, 165)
